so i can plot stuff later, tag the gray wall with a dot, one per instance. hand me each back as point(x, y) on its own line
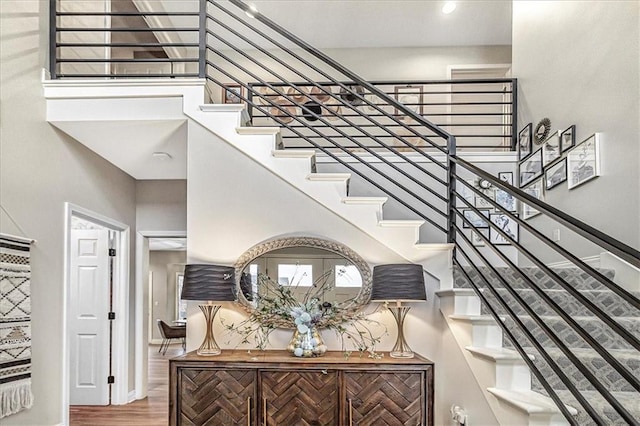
point(41, 169)
point(161, 205)
point(581, 66)
point(164, 264)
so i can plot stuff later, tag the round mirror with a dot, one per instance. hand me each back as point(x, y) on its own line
point(304, 264)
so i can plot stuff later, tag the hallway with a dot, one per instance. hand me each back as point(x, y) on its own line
point(152, 411)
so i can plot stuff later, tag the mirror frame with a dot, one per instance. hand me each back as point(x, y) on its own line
point(258, 250)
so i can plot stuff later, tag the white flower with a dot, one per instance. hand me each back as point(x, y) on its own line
point(302, 328)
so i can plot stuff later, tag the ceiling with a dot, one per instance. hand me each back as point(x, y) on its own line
point(392, 23)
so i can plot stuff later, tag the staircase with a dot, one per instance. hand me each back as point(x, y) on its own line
point(526, 392)
point(547, 346)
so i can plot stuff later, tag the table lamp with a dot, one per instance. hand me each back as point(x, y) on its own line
point(398, 283)
point(213, 283)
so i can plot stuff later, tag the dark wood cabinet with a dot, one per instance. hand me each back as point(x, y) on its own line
point(272, 388)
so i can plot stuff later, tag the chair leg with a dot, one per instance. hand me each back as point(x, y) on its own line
point(161, 345)
point(166, 346)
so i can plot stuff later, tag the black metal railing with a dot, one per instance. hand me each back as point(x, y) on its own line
point(407, 153)
point(480, 113)
point(115, 39)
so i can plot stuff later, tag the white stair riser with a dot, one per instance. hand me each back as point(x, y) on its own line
point(487, 335)
point(460, 305)
point(513, 375)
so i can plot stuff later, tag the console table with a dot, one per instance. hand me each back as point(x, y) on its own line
point(270, 388)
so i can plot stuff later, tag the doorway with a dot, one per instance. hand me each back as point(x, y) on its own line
point(95, 329)
point(144, 321)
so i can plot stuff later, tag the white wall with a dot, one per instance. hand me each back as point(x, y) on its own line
point(164, 264)
point(40, 169)
point(233, 204)
point(581, 66)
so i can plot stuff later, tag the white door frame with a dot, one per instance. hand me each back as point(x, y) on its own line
point(142, 306)
point(120, 340)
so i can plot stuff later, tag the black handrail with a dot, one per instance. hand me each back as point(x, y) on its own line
point(623, 293)
point(347, 88)
point(613, 245)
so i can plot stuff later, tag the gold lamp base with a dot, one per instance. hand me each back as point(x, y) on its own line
point(209, 345)
point(401, 349)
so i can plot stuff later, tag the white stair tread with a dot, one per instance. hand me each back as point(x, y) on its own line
point(455, 292)
point(258, 130)
point(529, 401)
point(222, 107)
point(328, 176)
point(434, 246)
point(293, 153)
point(400, 223)
point(486, 319)
point(365, 200)
point(497, 354)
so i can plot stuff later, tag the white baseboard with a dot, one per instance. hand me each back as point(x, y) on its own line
point(593, 261)
point(155, 342)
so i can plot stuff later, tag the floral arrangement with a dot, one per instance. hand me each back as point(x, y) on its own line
point(277, 306)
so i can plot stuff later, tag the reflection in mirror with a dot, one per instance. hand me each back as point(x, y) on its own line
point(304, 265)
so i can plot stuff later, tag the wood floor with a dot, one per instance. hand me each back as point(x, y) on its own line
point(151, 411)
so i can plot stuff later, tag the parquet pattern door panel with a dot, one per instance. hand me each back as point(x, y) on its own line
point(214, 397)
point(385, 398)
point(295, 398)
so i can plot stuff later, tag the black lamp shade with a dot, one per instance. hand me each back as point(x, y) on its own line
point(400, 282)
point(208, 282)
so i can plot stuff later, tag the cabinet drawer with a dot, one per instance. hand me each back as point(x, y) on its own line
point(216, 396)
point(388, 398)
point(299, 398)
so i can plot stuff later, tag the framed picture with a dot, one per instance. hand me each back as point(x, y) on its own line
point(524, 142)
point(551, 149)
point(481, 202)
point(475, 219)
point(411, 97)
point(506, 201)
point(476, 240)
point(555, 174)
point(506, 177)
point(583, 161)
point(531, 168)
point(535, 190)
point(506, 225)
point(231, 94)
point(568, 138)
point(465, 193)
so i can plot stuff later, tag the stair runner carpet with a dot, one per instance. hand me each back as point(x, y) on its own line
point(626, 315)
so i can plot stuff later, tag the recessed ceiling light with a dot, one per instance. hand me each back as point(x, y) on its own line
point(253, 10)
point(449, 7)
point(161, 155)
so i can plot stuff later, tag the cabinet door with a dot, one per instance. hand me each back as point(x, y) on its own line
point(299, 398)
point(216, 397)
point(385, 398)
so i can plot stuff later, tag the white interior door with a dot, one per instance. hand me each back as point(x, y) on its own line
point(88, 317)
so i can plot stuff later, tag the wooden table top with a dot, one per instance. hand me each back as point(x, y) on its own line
point(283, 356)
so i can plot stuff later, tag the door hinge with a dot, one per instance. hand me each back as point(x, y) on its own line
point(112, 252)
point(111, 380)
point(111, 316)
